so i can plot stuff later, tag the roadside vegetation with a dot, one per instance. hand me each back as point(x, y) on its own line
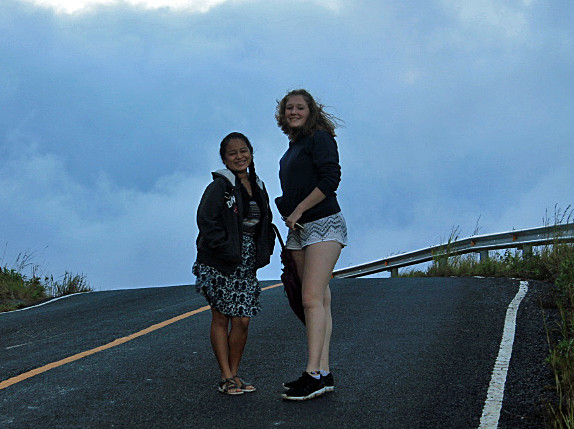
point(553, 264)
point(21, 285)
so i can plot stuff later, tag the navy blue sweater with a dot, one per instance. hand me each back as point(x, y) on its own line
point(310, 162)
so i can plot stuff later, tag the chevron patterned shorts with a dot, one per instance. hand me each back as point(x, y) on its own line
point(330, 228)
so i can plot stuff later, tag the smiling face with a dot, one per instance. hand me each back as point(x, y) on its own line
point(238, 157)
point(296, 111)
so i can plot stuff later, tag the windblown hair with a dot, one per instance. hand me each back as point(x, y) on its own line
point(223, 150)
point(318, 118)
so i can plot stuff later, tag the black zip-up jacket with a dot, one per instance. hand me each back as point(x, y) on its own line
point(310, 162)
point(220, 222)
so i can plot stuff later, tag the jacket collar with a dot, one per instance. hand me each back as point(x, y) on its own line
point(228, 175)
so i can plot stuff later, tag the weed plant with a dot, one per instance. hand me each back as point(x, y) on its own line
point(561, 356)
point(540, 265)
point(18, 290)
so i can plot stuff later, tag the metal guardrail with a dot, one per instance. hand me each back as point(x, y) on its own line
point(523, 239)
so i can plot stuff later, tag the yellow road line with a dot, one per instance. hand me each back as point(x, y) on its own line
point(6, 383)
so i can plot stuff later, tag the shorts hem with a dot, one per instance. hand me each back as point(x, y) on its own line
point(315, 242)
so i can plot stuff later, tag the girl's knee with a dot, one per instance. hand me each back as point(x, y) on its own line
point(241, 323)
point(219, 319)
point(311, 302)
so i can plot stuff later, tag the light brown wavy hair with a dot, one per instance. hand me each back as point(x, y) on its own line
point(318, 118)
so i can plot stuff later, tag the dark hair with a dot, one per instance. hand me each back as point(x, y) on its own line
point(223, 150)
point(318, 118)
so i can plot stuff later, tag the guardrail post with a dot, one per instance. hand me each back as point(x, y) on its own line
point(483, 255)
point(526, 251)
point(394, 272)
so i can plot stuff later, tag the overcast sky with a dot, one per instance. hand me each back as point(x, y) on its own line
point(457, 115)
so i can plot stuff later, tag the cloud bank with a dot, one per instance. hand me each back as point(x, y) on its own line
point(454, 114)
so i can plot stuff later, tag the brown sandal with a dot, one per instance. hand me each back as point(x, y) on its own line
point(228, 386)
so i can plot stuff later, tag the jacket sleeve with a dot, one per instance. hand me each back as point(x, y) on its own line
point(210, 218)
point(323, 150)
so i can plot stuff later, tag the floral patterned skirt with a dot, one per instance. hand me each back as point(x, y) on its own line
point(235, 295)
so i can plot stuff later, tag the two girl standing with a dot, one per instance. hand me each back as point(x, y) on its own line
point(236, 238)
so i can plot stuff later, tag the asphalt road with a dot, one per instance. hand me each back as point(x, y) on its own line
point(406, 353)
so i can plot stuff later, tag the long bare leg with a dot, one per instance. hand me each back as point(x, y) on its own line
point(220, 343)
point(324, 363)
point(237, 341)
point(318, 262)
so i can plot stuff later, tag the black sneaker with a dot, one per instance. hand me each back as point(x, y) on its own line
point(329, 382)
point(307, 387)
point(295, 383)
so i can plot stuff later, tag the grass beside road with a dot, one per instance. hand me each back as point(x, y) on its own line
point(553, 264)
point(18, 290)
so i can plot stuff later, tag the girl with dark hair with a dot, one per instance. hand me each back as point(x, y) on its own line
point(235, 239)
point(310, 174)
